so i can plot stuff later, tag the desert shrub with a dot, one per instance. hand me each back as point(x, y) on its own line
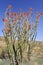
point(21, 26)
point(3, 52)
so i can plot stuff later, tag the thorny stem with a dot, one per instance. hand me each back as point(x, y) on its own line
point(15, 55)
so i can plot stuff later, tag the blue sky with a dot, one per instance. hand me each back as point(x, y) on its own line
point(25, 4)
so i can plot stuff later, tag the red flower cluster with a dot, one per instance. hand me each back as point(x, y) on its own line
point(31, 9)
point(14, 20)
point(29, 26)
point(7, 13)
point(41, 13)
point(26, 14)
point(3, 19)
point(21, 14)
point(37, 16)
point(13, 14)
point(9, 6)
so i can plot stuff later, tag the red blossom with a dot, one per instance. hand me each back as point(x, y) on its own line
point(31, 9)
point(18, 18)
point(7, 13)
point(14, 20)
point(9, 6)
point(41, 13)
point(29, 26)
point(26, 14)
point(13, 14)
point(21, 14)
point(3, 19)
point(37, 16)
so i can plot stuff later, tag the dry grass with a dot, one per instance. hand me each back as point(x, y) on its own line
point(37, 49)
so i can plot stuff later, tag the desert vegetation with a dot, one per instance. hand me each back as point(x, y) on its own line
point(37, 52)
point(20, 31)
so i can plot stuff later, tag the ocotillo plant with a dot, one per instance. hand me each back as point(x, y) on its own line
point(22, 27)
